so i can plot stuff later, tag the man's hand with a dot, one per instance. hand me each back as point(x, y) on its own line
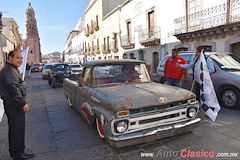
point(26, 108)
point(177, 65)
point(185, 80)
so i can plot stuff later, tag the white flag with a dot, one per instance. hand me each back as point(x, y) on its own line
point(22, 68)
point(1, 109)
point(208, 99)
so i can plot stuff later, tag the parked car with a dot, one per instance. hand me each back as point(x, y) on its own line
point(46, 70)
point(58, 72)
point(226, 78)
point(76, 69)
point(136, 110)
point(36, 67)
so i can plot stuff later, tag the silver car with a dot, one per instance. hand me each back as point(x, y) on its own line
point(76, 69)
point(46, 70)
point(226, 78)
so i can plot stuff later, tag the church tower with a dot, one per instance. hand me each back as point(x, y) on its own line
point(32, 40)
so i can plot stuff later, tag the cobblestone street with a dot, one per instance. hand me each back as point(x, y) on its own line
point(55, 131)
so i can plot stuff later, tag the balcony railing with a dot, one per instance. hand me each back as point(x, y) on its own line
point(95, 26)
point(150, 37)
point(114, 46)
point(96, 49)
point(128, 41)
point(105, 49)
point(91, 31)
point(208, 18)
point(86, 31)
point(149, 33)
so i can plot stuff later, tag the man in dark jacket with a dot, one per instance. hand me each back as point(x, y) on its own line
point(13, 92)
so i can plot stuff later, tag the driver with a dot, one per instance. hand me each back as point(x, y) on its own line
point(126, 75)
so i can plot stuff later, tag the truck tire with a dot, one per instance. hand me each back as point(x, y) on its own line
point(54, 83)
point(230, 97)
point(49, 80)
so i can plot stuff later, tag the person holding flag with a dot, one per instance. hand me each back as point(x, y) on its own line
point(13, 94)
point(202, 68)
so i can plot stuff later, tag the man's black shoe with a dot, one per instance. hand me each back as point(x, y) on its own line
point(25, 156)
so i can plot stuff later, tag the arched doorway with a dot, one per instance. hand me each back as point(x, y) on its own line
point(124, 56)
point(132, 56)
point(206, 48)
point(155, 61)
point(235, 48)
point(182, 49)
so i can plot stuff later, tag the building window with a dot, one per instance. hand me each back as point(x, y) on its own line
point(132, 56)
point(108, 43)
point(129, 31)
point(206, 48)
point(104, 44)
point(194, 6)
point(124, 56)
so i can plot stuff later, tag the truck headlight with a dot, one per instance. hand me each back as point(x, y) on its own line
point(191, 112)
point(121, 126)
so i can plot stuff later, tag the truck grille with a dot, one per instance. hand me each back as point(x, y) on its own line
point(159, 118)
point(153, 108)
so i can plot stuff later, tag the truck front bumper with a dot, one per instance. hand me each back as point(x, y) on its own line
point(155, 134)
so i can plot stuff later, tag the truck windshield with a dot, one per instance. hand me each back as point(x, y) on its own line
point(119, 73)
point(227, 61)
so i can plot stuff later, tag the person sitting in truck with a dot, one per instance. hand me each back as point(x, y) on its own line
point(127, 74)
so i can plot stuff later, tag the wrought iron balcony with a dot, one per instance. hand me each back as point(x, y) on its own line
point(82, 50)
point(91, 31)
point(149, 37)
point(105, 49)
point(211, 17)
point(128, 41)
point(95, 26)
point(96, 49)
point(114, 46)
point(86, 31)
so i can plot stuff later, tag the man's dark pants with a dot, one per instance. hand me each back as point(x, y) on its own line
point(16, 132)
point(197, 90)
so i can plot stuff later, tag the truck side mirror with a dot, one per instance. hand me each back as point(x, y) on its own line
point(80, 81)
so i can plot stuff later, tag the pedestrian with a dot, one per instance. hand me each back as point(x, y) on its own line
point(194, 66)
point(13, 92)
point(28, 71)
point(172, 74)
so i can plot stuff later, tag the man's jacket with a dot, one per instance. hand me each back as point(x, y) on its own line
point(11, 85)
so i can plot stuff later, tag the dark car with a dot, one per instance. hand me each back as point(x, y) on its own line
point(58, 72)
point(225, 78)
point(36, 67)
point(129, 110)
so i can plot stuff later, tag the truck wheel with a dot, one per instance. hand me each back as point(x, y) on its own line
point(99, 128)
point(230, 97)
point(54, 83)
point(49, 80)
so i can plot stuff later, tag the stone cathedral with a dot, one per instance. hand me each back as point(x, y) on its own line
point(32, 38)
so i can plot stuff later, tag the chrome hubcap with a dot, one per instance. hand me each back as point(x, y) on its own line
point(229, 97)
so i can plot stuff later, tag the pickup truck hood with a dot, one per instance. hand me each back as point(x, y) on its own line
point(139, 95)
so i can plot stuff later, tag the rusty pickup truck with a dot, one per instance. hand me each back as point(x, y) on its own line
point(119, 98)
